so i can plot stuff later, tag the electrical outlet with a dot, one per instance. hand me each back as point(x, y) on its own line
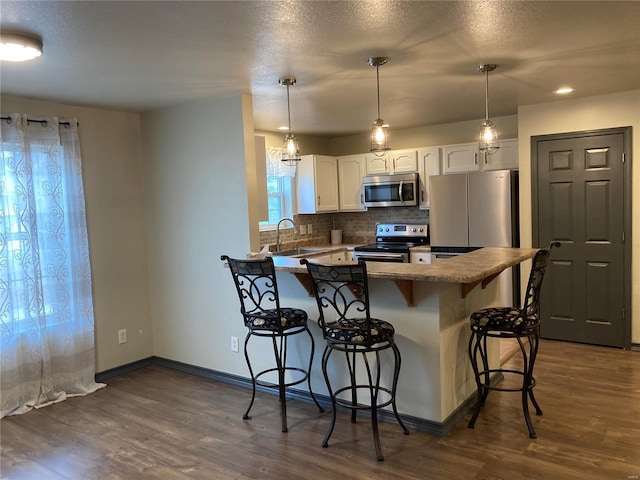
point(303, 229)
point(234, 344)
point(310, 228)
point(122, 336)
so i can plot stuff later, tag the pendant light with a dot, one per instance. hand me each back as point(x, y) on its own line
point(379, 138)
point(488, 136)
point(290, 148)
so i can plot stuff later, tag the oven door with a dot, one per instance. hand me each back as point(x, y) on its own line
point(381, 257)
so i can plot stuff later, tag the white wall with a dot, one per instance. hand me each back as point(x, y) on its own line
point(605, 111)
point(112, 174)
point(196, 198)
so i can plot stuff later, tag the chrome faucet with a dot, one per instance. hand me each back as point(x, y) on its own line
point(278, 231)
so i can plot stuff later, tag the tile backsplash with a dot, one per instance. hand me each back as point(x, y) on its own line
point(357, 227)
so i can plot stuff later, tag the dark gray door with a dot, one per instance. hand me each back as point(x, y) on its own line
point(580, 201)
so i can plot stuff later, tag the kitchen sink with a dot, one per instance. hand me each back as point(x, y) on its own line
point(298, 251)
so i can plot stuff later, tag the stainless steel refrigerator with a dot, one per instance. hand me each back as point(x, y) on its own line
point(475, 210)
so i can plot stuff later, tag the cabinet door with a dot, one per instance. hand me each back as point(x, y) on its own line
point(404, 161)
point(350, 172)
point(506, 158)
point(460, 158)
point(326, 183)
point(376, 165)
point(428, 164)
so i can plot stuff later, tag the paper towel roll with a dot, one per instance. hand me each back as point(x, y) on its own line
point(336, 236)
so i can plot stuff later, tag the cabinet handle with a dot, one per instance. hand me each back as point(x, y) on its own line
point(475, 158)
point(422, 195)
point(394, 163)
point(318, 200)
point(486, 158)
point(361, 199)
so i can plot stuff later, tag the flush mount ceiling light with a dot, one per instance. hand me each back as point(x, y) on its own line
point(379, 137)
point(563, 90)
point(488, 136)
point(290, 150)
point(18, 47)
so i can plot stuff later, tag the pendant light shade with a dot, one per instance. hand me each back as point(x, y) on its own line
point(488, 141)
point(290, 148)
point(379, 136)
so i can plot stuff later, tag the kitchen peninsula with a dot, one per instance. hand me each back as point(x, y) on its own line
point(429, 306)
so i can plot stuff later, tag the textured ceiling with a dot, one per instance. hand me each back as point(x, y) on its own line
point(138, 56)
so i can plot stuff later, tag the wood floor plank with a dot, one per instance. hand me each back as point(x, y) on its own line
point(157, 423)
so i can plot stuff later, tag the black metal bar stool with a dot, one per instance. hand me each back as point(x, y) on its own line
point(255, 281)
point(505, 322)
point(342, 295)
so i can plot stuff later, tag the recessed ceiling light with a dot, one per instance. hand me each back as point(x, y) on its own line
point(564, 90)
point(18, 47)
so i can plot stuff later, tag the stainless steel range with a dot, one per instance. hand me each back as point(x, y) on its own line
point(393, 241)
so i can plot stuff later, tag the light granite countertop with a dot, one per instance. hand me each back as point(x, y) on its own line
point(467, 268)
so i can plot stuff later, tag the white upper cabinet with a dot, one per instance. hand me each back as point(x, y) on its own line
point(506, 158)
point(460, 158)
point(395, 161)
point(466, 157)
point(350, 172)
point(317, 184)
point(428, 164)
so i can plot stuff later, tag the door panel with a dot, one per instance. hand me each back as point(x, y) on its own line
point(580, 203)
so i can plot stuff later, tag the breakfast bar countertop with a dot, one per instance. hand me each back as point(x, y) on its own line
point(466, 268)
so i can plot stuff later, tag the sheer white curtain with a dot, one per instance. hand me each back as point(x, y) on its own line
point(275, 166)
point(46, 310)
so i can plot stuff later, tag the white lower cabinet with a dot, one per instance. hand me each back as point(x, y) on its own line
point(421, 257)
point(351, 169)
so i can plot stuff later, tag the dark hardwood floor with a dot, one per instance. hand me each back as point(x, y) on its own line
point(156, 423)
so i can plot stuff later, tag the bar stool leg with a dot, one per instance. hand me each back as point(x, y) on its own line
point(281, 361)
point(325, 359)
point(313, 350)
point(396, 376)
point(474, 348)
point(351, 365)
point(253, 378)
point(534, 341)
point(373, 398)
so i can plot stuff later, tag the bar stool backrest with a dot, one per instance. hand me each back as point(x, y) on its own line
point(342, 293)
point(534, 285)
point(256, 285)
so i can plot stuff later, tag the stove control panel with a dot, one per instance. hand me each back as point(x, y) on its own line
point(402, 230)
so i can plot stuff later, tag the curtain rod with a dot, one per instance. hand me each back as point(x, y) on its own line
point(41, 122)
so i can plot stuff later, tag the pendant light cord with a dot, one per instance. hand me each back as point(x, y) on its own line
point(486, 96)
point(288, 109)
point(378, 87)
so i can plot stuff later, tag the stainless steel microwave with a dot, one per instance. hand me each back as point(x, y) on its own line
point(390, 190)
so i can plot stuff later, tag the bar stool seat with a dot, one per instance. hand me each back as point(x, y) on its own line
point(275, 320)
point(523, 324)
